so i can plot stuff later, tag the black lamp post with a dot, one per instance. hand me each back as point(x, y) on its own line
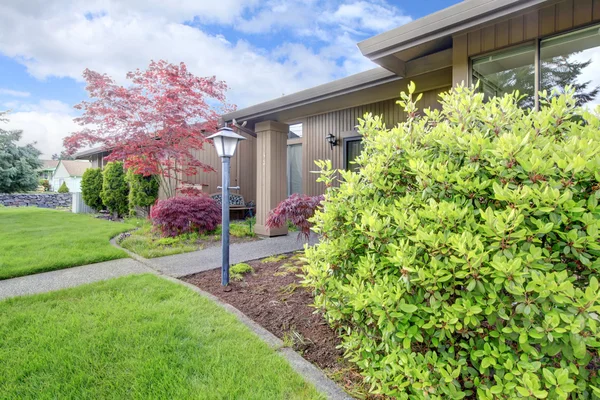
point(226, 141)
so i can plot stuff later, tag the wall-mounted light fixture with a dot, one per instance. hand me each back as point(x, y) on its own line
point(332, 140)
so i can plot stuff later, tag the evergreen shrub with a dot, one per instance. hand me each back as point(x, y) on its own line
point(91, 187)
point(461, 260)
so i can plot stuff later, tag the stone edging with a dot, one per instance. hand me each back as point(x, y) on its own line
point(305, 368)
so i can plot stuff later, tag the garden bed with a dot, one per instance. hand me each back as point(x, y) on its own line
point(273, 297)
point(149, 244)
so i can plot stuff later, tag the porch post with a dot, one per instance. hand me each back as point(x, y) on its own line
point(271, 173)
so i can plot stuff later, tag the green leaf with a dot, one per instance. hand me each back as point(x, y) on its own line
point(408, 308)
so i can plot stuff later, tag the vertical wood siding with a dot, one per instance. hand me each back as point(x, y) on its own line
point(546, 21)
point(342, 123)
point(243, 169)
point(550, 20)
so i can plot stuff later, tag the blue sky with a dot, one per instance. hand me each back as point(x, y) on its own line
point(262, 49)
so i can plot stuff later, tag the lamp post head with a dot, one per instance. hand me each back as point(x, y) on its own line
point(226, 141)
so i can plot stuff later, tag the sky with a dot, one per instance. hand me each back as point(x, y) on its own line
point(262, 49)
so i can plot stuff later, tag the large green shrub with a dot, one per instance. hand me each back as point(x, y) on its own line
point(461, 260)
point(91, 187)
point(143, 191)
point(114, 188)
point(63, 188)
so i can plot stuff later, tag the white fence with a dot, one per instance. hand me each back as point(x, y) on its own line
point(79, 207)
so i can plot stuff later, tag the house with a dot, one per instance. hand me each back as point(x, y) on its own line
point(70, 172)
point(47, 169)
point(243, 167)
point(503, 44)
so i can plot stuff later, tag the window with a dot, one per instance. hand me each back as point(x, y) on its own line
point(294, 168)
point(572, 59)
point(568, 59)
point(353, 146)
point(506, 71)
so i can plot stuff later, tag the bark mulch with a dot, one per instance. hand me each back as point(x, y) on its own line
point(274, 298)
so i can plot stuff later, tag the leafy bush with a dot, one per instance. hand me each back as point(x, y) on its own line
point(114, 188)
point(297, 209)
point(143, 191)
point(63, 188)
point(185, 215)
point(44, 183)
point(91, 187)
point(239, 270)
point(461, 260)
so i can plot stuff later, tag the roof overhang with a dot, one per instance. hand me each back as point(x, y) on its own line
point(350, 84)
point(88, 153)
point(434, 32)
point(363, 88)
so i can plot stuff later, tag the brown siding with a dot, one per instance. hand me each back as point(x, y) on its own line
point(342, 124)
point(550, 20)
point(243, 169)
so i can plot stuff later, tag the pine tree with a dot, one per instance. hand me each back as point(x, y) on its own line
point(17, 163)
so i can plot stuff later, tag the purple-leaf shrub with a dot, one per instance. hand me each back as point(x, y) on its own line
point(298, 209)
point(179, 215)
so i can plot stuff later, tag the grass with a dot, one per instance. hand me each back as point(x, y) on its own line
point(137, 337)
point(36, 240)
point(150, 244)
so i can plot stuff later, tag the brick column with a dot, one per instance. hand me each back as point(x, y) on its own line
point(271, 173)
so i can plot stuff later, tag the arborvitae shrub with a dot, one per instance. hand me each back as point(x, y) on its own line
point(91, 187)
point(115, 189)
point(187, 214)
point(63, 188)
point(143, 191)
point(461, 260)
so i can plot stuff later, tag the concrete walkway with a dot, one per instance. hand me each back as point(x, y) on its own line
point(175, 266)
point(66, 278)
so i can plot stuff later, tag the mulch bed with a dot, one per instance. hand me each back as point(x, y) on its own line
point(274, 298)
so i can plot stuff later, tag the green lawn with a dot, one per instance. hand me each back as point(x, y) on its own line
point(138, 337)
point(150, 244)
point(35, 240)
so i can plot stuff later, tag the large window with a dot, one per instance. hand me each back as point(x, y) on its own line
point(507, 71)
point(568, 59)
point(572, 59)
point(352, 148)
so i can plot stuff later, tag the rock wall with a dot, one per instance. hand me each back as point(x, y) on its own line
point(42, 200)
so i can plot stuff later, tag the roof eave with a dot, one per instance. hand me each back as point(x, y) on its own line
point(450, 21)
point(374, 77)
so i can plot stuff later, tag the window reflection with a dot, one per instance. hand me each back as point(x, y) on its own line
point(507, 71)
point(573, 59)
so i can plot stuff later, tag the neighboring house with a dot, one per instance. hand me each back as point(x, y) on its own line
point(69, 171)
point(47, 169)
point(243, 167)
point(505, 44)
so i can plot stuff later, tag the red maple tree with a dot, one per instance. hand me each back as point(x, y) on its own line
point(155, 123)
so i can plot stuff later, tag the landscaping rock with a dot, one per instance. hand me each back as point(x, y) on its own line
point(42, 200)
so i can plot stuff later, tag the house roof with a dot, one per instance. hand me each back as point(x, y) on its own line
point(434, 32)
point(417, 48)
point(76, 167)
point(370, 78)
point(86, 153)
point(48, 165)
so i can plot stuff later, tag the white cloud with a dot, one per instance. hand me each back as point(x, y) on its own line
point(61, 38)
point(14, 93)
point(45, 123)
